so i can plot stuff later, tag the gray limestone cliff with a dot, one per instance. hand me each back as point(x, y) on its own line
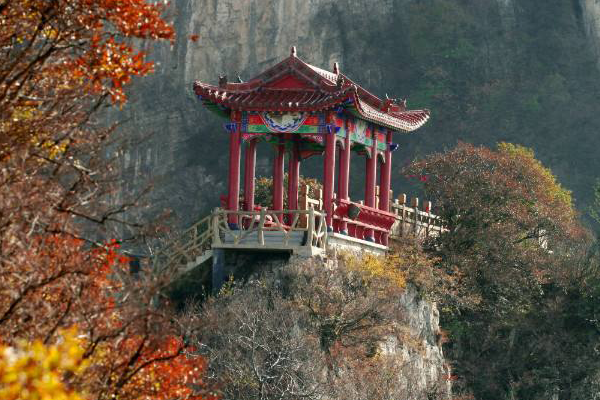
point(408, 355)
point(590, 10)
point(423, 319)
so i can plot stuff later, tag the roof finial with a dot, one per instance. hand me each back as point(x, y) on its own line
point(340, 81)
point(336, 68)
point(293, 51)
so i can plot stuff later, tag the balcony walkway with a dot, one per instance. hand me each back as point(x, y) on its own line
point(300, 232)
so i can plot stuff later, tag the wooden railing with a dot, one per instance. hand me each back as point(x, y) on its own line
point(185, 248)
point(409, 220)
point(414, 222)
point(267, 228)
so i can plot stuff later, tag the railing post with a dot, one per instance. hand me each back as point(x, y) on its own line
point(195, 235)
point(427, 207)
point(402, 201)
point(215, 226)
point(304, 194)
point(310, 227)
point(320, 198)
point(261, 226)
point(303, 205)
point(415, 206)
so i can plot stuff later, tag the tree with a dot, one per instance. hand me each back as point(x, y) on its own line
point(262, 351)
point(264, 189)
point(62, 61)
point(517, 255)
point(34, 371)
point(132, 348)
point(503, 208)
point(314, 332)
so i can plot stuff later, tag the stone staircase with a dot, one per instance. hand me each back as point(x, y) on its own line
point(187, 251)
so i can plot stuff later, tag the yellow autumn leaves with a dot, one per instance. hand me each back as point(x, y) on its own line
point(35, 371)
point(373, 267)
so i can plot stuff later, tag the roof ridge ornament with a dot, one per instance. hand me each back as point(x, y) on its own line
point(293, 51)
point(340, 81)
point(336, 68)
point(222, 80)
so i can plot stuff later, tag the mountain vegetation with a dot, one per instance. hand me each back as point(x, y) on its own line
point(521, 314)
point(316, 331)
point(516, 275)
point(73, 324)
point(491, 71)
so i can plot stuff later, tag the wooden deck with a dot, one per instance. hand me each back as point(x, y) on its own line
point(298, 231)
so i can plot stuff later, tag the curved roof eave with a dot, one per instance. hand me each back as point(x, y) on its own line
point(407, 121)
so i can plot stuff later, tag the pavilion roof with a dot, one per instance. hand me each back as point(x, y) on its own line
point(293, 85)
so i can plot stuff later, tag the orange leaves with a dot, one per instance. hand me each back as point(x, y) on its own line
point(170, 372)
point(110, 67)
point(132, 349)
point(137, 18)
point(511, 225)
point(88, 39)
point(60, 60)
point(154, 369)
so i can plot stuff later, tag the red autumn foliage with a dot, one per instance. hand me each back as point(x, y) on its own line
point(61, 61)
point(135, 351)
point(496, 202)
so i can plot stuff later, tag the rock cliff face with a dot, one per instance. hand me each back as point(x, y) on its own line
point(413, 345)
point(180, 148)
point(590, 11)
point(423, 319)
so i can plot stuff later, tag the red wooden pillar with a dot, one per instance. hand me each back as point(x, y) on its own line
point(249, 175)
point(371, 177)
point(344, 180)
point(329, 174)
point(233, 199)
point(278, 178)
point(293, 180)
point(386, 180)
point(386, 176)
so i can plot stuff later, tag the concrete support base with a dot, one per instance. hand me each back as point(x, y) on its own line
point(218, 269)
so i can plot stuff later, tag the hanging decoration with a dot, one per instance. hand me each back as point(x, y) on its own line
point(283, 122)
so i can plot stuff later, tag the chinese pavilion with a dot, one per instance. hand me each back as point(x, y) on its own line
point(304, 111)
